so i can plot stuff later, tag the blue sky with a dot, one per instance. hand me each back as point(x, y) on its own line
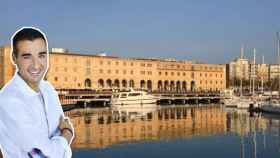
point(210, 31)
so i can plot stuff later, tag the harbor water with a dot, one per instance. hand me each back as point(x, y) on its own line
point(175, 131)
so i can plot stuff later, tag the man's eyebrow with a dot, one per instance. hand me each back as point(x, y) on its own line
point(25, 54)
point(42, 53)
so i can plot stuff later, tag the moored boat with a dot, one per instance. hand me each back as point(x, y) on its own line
point(132, 98)
point(272, 106)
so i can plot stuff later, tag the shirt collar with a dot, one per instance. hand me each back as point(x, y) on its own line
point(23, 86)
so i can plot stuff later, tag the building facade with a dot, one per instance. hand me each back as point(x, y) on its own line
point(239, 69)
point(6, 67)
point(274, 71)
point(242, 68)
point(262, 72)
point(78, 71)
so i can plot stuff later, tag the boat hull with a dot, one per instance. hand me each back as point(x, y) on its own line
point(270, 109)
point(135, 102)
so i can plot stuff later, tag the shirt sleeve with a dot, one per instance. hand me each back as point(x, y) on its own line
point(37, 153)
point(20, 130)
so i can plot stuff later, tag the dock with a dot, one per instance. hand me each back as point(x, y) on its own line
point(97, 100)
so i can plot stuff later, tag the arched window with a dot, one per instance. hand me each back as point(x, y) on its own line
point(87, 83)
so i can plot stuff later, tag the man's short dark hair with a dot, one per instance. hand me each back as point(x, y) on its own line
point(25, 34)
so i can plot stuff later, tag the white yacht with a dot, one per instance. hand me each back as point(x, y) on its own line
point(245, 103)
point(239, 102)
point(132, 98)
point(272, 106)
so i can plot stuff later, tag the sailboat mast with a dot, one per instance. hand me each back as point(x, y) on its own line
point(263, 72)
point(278, 55)
point(254, 70)
point(242, 71)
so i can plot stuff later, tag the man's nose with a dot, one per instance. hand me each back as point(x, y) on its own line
point(36, 63)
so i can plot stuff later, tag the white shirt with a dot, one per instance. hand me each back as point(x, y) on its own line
point(27, 122)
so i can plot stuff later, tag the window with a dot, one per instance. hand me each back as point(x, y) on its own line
point(166, 73)
point(124, 63)
point(65, 79)
point(117, 71)
point(131, 72)
point(159, 73)
point(131, 64)
point(134, 94)
point(109, 62)
point(101, 62)
point(192, 68)
point(178, 74)
point(124, 72)
point(123, 95)
point(55, 79)
point(101, 71)
point(115, 95)
point(142, 64)
point(184, 74)
point(149, 72)
point(172, 73)
point(142, 72)
point(117, 63)
point(108, 71)
point(65, 69)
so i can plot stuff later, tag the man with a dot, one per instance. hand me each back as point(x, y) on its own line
point(32, 123)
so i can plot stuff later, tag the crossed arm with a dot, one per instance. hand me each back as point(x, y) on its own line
point(66, 131)
point(30, 138)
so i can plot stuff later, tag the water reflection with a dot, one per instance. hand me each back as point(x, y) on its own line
point(251, 135)
point(102, 128)
point(247, 126)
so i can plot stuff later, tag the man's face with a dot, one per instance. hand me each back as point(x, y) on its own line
point(31, 60)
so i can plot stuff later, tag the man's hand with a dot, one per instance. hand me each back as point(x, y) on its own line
point(64, 125)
